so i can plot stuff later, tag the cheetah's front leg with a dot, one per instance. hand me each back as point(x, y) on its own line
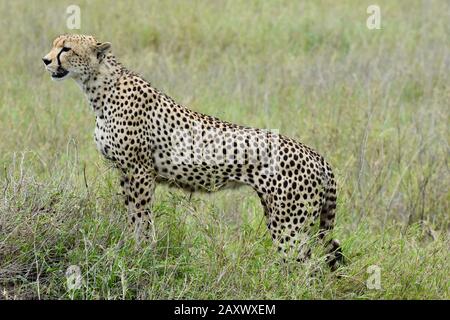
point(138, 188)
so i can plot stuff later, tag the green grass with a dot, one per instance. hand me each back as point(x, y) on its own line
point(374, 103)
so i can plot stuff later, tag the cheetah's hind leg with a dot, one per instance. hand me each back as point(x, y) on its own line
point(327, 218)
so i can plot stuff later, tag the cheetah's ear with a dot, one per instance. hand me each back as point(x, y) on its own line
point(102, 49)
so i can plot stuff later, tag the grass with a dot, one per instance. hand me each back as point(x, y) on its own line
point(373, 102)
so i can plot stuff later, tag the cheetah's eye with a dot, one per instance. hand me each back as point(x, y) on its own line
point(65, 49)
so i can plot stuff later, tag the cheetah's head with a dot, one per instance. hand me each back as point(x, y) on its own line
point(75, 56)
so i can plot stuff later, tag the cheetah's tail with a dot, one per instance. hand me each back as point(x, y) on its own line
point(327, 217)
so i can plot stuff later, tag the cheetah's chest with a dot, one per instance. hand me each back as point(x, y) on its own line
point(103, 138)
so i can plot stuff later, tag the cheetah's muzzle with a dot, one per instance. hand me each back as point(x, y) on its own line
point(60, 73)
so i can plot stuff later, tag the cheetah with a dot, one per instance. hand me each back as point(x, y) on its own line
point(152, 139)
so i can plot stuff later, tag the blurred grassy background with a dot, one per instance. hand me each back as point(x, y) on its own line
point(375, 103)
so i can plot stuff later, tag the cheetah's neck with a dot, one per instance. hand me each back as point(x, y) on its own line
point(98, 84)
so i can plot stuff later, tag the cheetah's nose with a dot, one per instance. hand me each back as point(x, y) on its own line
point(46, 61)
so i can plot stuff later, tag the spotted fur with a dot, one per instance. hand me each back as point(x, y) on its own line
point(151, 139)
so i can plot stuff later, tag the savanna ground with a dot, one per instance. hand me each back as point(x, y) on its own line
point(375, 103)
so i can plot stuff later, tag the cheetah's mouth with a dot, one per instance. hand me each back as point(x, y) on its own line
point(60, 73)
